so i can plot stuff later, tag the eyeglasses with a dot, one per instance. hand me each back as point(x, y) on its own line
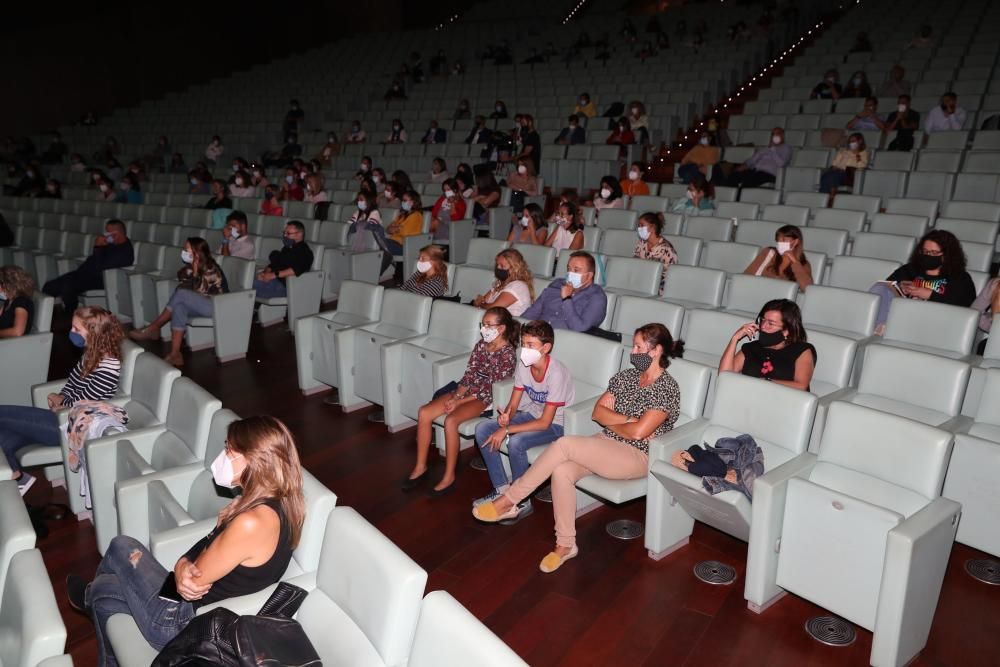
point(931, 253)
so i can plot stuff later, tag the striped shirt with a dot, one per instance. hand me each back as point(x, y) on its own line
point(100, 385)
point(433, 286)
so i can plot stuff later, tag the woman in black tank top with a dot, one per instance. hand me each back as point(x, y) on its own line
point(248, 550)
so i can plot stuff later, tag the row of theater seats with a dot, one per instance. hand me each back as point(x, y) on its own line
point(154, 483)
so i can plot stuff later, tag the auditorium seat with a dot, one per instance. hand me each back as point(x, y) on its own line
point(859, 273)
point(747, 294)
point(842, 312)
point(694, 287)
point(447, 635)
point(30, 623)
point(305, 293)
point(483, 252)
point(16, 530)
point(891, 247)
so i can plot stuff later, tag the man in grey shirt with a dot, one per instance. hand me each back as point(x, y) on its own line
point(236, 239)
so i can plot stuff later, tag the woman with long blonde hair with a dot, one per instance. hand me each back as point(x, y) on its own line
point(94, 378)
point(248, 550)
point(514, 287)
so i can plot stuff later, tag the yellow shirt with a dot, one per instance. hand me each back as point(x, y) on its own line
point(845, 158)
point(589, 111)
point(702, 155)
point(412, 224)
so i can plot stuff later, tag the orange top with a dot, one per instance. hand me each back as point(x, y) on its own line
point(634, 188)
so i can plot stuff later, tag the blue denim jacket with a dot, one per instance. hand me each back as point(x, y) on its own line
point(582, 311)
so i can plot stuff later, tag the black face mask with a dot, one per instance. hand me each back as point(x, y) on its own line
point(770, 339)
point(641, 361)
point(929, 262)
point(501, 274)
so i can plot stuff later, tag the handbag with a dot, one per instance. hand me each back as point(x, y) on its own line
point(220, 637)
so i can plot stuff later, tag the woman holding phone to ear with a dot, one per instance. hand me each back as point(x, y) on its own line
point(248, 550)
point(779, 352)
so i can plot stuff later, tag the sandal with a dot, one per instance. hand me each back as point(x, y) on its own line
point(554, 561)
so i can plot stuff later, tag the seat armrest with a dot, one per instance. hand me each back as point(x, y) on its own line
point(767, 514)
point(502, 391)
point(251, 604)
point(577, 418)
point(40, 392)
point(682, 437)
point(131, 648)
point(167, 547)
point(449, 369)
point(134, 498)
point(958, 424)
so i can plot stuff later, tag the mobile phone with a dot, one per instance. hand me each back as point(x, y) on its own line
point(169, 589)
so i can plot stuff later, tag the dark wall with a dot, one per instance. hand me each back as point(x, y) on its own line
point(103, 57)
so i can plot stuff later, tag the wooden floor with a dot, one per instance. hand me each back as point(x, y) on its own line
point(610, 606)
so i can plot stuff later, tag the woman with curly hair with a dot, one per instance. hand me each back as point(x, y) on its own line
point(199, 279)
point(17, 308)
point(94, 378)
point(514, 287)
point(935, 272)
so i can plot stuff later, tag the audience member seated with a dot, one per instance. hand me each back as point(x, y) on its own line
point(479, 133)
point(530, 227)
point(219, 197)
point(463, 110)
point(271, 203)
point(641, 403)
point(294, 259)
point(858, 86)
point(763, 166)
point(935, 272)
point(523, 183)
point(700, 159)
point(698, 200)
point(786, 260)
point(514, 287)
point(531, 142)
point(547, 386)
point(572, 134)
point(434, 135)
point(356, 135)
point(113, 250)
point(904, 120)
point(575, 302)
point(17, 307)
point(364, 169)
point(78, 165)
point(584, 106)
point(621, 136)
point(431, 276)
point(215, 149)
point(366, 231)
point(198, 280)
point(829, 88)
point(294, 117)
point(439, 171)
point(129, 191)
point(107, 190)
point(448, 208)
point(639, 121)
point(257, 177)
point(610, 194)
point(408, 221)
point(653, 246)
point(867, 119)
point(177, 165)
point(895, 85)
point(248, 550)
point(633, 185)
point(94, 378)
point(492, 360)
point(290, 151)
point(31, 184)
point(291, 188)
point(778, 352)
point(948, 116)
point(236, 239)
point(314, 189)
point(922, 39)
point(397, 135)
point(390, 195)
point(53, 190)
point(846, 162)
point(567, 230)
point(987, 303)
point(241, 185)
point(330, 150)
point(485, 196)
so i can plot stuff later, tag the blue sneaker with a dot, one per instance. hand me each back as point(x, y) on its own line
point(491, 496)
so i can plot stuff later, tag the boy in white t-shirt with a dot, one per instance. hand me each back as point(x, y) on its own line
point(547, 386)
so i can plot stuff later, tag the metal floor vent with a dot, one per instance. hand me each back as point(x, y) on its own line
point(986, 570)
point(831, 630)
point(715, 573)
point(624, 529)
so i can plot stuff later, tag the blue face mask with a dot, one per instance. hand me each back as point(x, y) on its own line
point(288, 242)
point(77, 339)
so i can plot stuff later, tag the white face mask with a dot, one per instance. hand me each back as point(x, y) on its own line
point(574, 280)
point(776, 139)
point(406, 205)
point(362, 205)
point(186, 257)
point(239, 182)
point(449, 194)
point(901, 108)
point(853, 145)
point(236, 168)
point(529, 356)
point(605, 193)
point(256, 172)
point(377, 179)
point(521, 169)
point(234, 233)
point(104, 188)
point(635, 111)
point(704, 141)
point(643, 233)
point(424, 267)
point(633, 176)
point(222, 471)
point(364, 167)
point(783, 247)
point(489, 334)
point(525, 221)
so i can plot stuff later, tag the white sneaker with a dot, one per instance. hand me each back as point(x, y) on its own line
point(491, 496)
point(25, 482)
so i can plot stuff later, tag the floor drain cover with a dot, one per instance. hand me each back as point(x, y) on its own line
point(477, 464)
point(544, 495)
point(831, 630)
point(714, 572)
point(624, 529)
point(986, 570)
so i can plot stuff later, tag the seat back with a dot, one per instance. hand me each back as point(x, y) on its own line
point(750, 293)
point(455, 322)
point(319, 502)
point(838, 308)
point(786, 215)
point(869, 205)
point(44, 305)
point(834, 361)
point(617, 218)
point(540, 259)
point(30, 624)
point(741, 210)
point(618, 242)
point(693, 380)
point(971, 210)
point(593, 360)
point(409, 311)
point(707, 332)
point(449, 636)
point(859, 273)
point(729, 257)
point(632, 312)
point(930, 381)
point(366, 603)
point(883, 246)
point(646, 203)
point(688, 249)
point(633, 275)
point(361, 299)
point(483, 252)
point(850, 221)
point(931, 324)
point(189, 417)
point(130, 352)
point(471, 281)
point(694, 284)
point(927, 208)
point(899, 223)
point(977, 231)
point(757, 232)
point(830, 242)
point(239, 272)
point(709, 228)
point(152, 383)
